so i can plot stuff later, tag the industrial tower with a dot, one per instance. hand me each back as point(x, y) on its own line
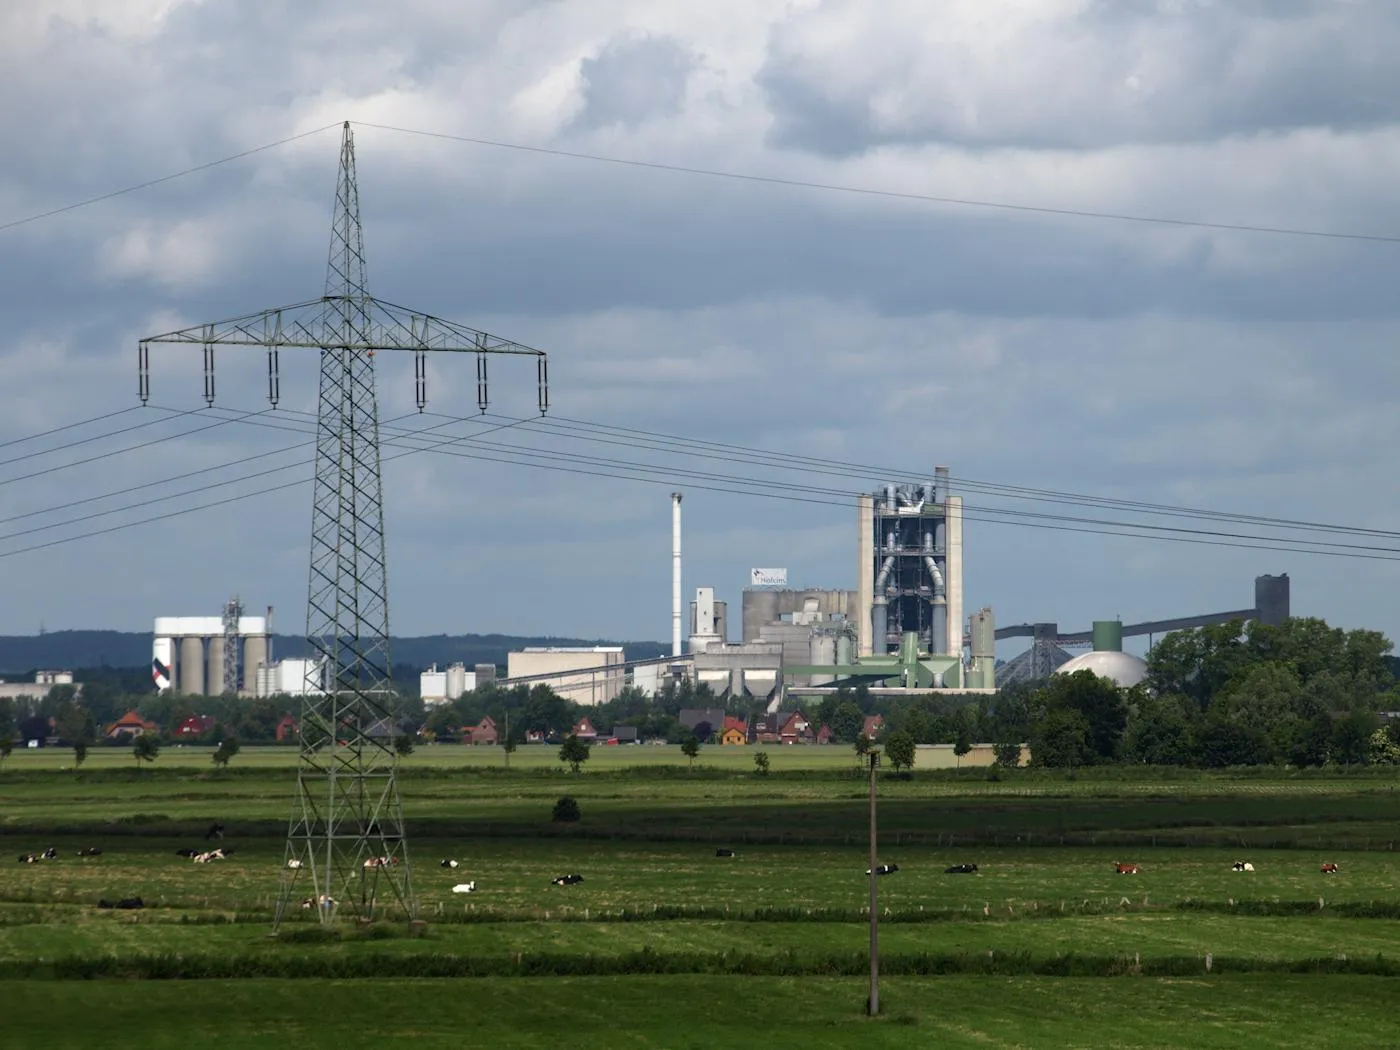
point(346, 834)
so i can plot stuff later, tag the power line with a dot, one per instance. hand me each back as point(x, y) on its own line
point(866, 191)
point(743, 454)
point(68, 426)
point(663, 475)
point(13, 223)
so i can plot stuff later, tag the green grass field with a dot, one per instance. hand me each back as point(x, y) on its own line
point(665, 944)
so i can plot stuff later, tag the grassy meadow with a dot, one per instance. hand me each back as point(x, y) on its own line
point(666, 944)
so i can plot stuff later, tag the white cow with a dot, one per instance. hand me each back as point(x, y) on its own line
point(465, 887)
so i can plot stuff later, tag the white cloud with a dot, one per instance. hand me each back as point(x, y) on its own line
point(1239, 371)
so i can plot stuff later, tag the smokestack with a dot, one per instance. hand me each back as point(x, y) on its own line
point(675, 574)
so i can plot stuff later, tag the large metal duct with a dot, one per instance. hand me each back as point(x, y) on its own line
point(191, 665)
point(215, 666)
point(879, 609)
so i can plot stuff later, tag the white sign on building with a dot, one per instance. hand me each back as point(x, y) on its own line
point(767, 577)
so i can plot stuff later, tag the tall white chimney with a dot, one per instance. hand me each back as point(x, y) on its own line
point(675, 574)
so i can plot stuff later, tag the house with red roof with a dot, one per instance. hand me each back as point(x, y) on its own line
point(128, 726)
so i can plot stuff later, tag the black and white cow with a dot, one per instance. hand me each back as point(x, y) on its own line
point(567, 880)
point(884, 869)
point(725, 853)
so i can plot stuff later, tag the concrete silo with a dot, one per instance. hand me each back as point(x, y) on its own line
point(187, 653)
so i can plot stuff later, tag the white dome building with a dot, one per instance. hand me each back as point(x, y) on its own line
point(1108, 659)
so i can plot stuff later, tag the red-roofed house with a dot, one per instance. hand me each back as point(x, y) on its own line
point(129, 725)
point(735, 731)
point(195, 725)
point(585, 731)
point(796, 729)
point(824, 734)
point(484, 732)
point(286, 728)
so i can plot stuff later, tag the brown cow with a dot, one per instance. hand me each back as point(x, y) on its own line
point(1127, 869)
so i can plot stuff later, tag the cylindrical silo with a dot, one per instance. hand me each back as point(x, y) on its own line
point(191, 667)
point(215, 667)
point(162, 663)
point(254, 656)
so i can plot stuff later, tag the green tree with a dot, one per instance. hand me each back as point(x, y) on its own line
point(403, 745)
point(1061, 740)
point(566, 811)
point(690, 747)
point(74, 727)
point(899, 749)
point(760, 763)
point(1159, 732)
point(1222, 742)
point(862, 746)
point(847, 722)
point(7, 744)
point(1351, 737)
point(1008, 755)
point(146, 749)
point(574, 751)
point(963, 744)
point(508, 746)
point(228, 747)
point(1100, 704)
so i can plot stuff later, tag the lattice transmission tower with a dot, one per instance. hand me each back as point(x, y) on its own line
point(346, 849)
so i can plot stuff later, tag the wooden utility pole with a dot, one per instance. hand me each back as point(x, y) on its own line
point(873, 1004)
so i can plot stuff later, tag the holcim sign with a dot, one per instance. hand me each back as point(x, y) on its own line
point(767, 577)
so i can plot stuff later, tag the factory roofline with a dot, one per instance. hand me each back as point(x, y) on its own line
point(571, 649)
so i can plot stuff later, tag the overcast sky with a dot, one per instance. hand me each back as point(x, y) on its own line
point(1246, 372)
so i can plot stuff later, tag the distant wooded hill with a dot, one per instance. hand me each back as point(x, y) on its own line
point(62, 650)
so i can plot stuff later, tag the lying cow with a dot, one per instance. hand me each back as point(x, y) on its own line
point(961, 869)
point(884, 869)
point(725, 853)
point(380, 862)
point(447, 864)
point(1329, 868)
point(211, 856)
point(1242, 865)
point(567, 880)
point(1127, 869)
point(293, 864)
point(89, 851)
point(188, 852)
point(465, 887)
point(326, 902)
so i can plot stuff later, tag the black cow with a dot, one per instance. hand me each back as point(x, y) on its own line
point(49, 854)
point(725, 853)
point(188, 852)
point(961, 869)
point(89, 851)
point(884, 869)
point(216, 831)
point(126, 904)
point(567, 880)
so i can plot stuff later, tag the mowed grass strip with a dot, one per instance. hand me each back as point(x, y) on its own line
point(1145, 939)
point(682, 1012)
